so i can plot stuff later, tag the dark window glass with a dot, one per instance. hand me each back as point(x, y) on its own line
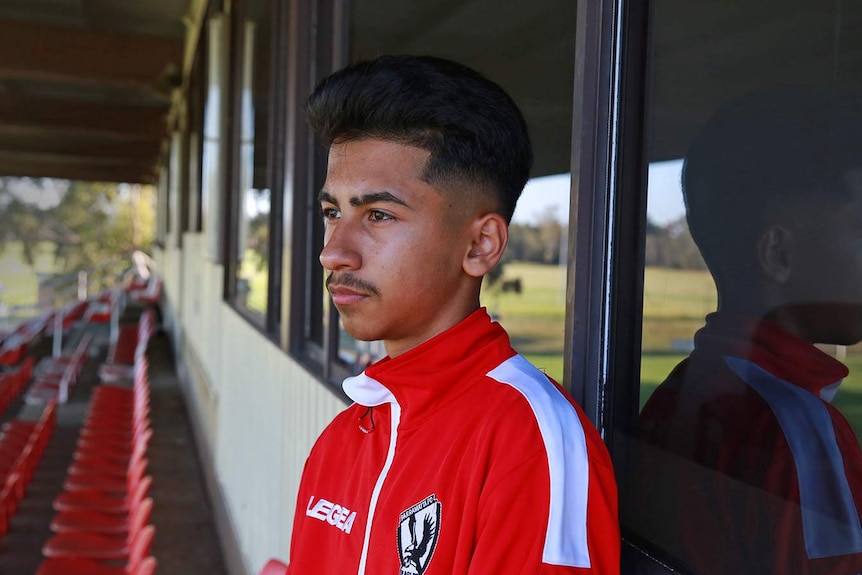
point(530, 53)
point(194, 142)
point(746, 457)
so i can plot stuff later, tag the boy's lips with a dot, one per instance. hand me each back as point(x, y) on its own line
point(342, 295)
point(346, 288)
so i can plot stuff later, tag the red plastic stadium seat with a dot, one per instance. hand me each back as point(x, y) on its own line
point(103, 523)
point(101, 501)
point(96, 545)
point(274, 567)
point(108, 483)
point(87, 464)
point(139, 562)
point(9, 497)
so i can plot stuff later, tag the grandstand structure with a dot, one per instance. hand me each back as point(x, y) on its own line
point(225, 351)
point(98, 473)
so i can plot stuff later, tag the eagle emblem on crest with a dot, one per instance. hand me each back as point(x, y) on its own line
point(418, 530)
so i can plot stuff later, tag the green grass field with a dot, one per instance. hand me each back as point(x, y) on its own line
point(257, 282)
point(19, 281)
point(535, 318)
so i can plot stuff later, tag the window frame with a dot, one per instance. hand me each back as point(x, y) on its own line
point(269, 324)
point(177, 166)
point(215, 130)
point(609, 174)
point(194, 127)
point(318, 46)
point(163, 204)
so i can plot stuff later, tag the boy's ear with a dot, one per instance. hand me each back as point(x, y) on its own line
point(775, 253)
point(489, 235)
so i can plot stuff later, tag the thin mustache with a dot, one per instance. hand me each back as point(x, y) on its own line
point(348, 280)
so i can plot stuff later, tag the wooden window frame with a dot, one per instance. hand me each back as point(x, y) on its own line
point(270, 324)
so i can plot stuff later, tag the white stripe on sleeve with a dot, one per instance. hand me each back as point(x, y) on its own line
point(566, 445)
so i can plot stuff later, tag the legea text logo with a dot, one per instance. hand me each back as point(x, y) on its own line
point(333, 513)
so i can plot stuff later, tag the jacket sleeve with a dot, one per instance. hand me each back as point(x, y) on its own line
point(513, 534)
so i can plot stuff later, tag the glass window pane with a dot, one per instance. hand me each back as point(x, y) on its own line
point(527, 292)
point(254, 201)
point(530, 53)
point(747, 458)
point(213, 164)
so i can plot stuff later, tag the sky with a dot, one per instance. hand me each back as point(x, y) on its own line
point(540, 193)
point(664, 196)
point(46, 193)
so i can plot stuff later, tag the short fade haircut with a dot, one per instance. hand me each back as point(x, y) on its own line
point(474, 132)
point(763, 150)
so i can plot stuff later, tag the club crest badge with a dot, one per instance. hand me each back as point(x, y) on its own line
point(418, 530)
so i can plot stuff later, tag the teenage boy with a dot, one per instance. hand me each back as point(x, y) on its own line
point(458, 456)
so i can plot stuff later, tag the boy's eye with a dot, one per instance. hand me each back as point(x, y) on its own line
point(330, 213)
point(378, 216)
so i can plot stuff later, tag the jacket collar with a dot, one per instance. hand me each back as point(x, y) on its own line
point(772, 348)
point(431, 374)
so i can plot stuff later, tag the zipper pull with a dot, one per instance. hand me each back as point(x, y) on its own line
point(367, 427)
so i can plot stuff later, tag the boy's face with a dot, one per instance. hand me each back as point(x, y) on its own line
point(393, 246)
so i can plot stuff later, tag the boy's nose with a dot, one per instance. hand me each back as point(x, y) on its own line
point(338, 251)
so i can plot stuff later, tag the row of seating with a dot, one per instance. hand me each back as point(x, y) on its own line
point(23, 441)
point(13, 346)
point(67, 316)
point(102, 516)
point(56, 376)
point(104, 306)
point(22, 444)
point(12, 382)
point(128, 348)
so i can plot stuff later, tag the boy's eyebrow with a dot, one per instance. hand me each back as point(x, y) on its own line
point(364, 199)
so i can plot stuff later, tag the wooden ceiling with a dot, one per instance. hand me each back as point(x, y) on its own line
point(85, 86)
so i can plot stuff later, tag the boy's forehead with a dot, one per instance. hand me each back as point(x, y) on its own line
point(359, 167)
point(376, 150)
point(375, 163)
point(371, 170)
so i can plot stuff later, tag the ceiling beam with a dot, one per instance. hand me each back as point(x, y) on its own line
point(35, 113)
point(39, 52)
point(65, 159)
point(78, 145)
point(43, 167)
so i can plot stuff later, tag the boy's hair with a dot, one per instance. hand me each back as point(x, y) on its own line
point(475, 133)
point(764, 150)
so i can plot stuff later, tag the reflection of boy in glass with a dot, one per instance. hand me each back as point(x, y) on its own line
point(773, 191)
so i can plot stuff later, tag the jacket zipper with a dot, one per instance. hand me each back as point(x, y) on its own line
point(395, 410)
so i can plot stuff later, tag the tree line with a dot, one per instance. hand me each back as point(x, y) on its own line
point(669, 246)
point(88, 223)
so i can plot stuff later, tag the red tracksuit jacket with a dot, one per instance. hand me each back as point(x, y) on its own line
point(458, 457)
point(755, 471)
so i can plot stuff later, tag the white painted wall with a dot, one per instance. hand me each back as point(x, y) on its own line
point(256, 411)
